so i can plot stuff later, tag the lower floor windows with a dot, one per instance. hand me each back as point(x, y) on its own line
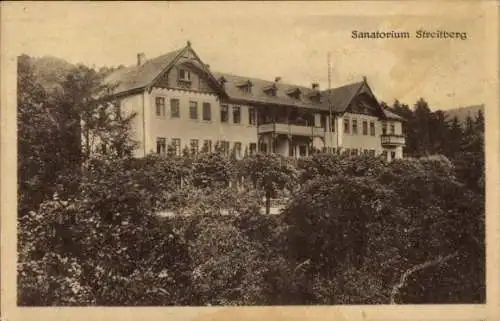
point(193, 147)
point(253, 148)
point(175, 147)
point(303, 150)
point(207, 146)
point(237, 149)
point(161, 145)
point(263, 148)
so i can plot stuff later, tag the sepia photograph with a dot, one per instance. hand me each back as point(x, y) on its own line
point(250, 154)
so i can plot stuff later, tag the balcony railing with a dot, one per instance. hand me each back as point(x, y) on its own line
point(392, 140)
point(287, 129)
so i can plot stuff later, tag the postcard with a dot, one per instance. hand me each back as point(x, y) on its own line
point(250, 160)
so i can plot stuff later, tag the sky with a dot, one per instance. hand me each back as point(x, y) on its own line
point(269, 39)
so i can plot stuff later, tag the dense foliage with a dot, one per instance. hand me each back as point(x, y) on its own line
point(104, 228)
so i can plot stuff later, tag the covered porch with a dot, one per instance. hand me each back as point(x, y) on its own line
point(289, 145)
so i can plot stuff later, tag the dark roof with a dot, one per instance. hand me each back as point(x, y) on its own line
point(340, 97)
point(137, 77)
point(258, 94)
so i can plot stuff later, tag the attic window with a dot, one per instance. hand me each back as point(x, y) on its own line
point(270, 90)
point(245, 86)
point(315, 96)
point(294, 93)
point(184, 75)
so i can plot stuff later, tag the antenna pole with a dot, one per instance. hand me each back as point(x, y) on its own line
point(329, 72)
point(330, 104)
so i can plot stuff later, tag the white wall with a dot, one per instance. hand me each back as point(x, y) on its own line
point(134, 104)
point(187, 129)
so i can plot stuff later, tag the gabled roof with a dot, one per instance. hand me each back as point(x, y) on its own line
point(340, 98)
point(138, 77)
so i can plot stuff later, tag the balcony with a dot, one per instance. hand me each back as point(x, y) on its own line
point(392, 140)
point(286, 129)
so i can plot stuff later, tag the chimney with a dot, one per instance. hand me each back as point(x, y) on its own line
point(141, 58)
point(315, 86)
point(277, 79)
point(364, 78)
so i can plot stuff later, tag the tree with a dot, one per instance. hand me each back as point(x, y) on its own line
point(269, 172)
point(421, 125)
point(455, 137)
point(105, 127)
point(212, 170)
point(364, 236)
point(438, 132)
point(120, 251)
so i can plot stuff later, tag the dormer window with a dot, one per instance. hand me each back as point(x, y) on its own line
point(294, 93)
point(315, 96)
point(184, 75)
point(270, 90)
point(245, 86)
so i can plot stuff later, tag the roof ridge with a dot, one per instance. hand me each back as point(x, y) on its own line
point(282, 83)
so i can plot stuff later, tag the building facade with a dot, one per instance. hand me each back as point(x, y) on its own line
point(180, 104)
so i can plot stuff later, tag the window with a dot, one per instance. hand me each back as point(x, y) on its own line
point(323, 121)
point(174, 108)
point(224, 114)
point(365, 151)
point(184, 75)
point(207, 111)
point(161, 145)
point(384, 128)
point(346, 125)
point(193, 146)
point(253, 148)
point(160, 106)
point(354, 126)
point(347, 151)
point(302, 150)
point(193, 110)
point(237, 149)
point(354, 152)
point(176, 144)
point(372, 152)
point(246, 89)
point(332, 123)
point(225, 147)
point(393, 155)
point(384, 154)
point(207, 146)
point(372, 128)
point(271, 92)
point(393, 129)
point(263, 147)
point(236, 115)
point(365, 127)
point(251, 116)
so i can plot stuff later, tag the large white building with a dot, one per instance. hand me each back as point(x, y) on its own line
point(180, 102)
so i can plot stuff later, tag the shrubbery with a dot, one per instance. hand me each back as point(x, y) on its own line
point(102, 228)
point(348, 234)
